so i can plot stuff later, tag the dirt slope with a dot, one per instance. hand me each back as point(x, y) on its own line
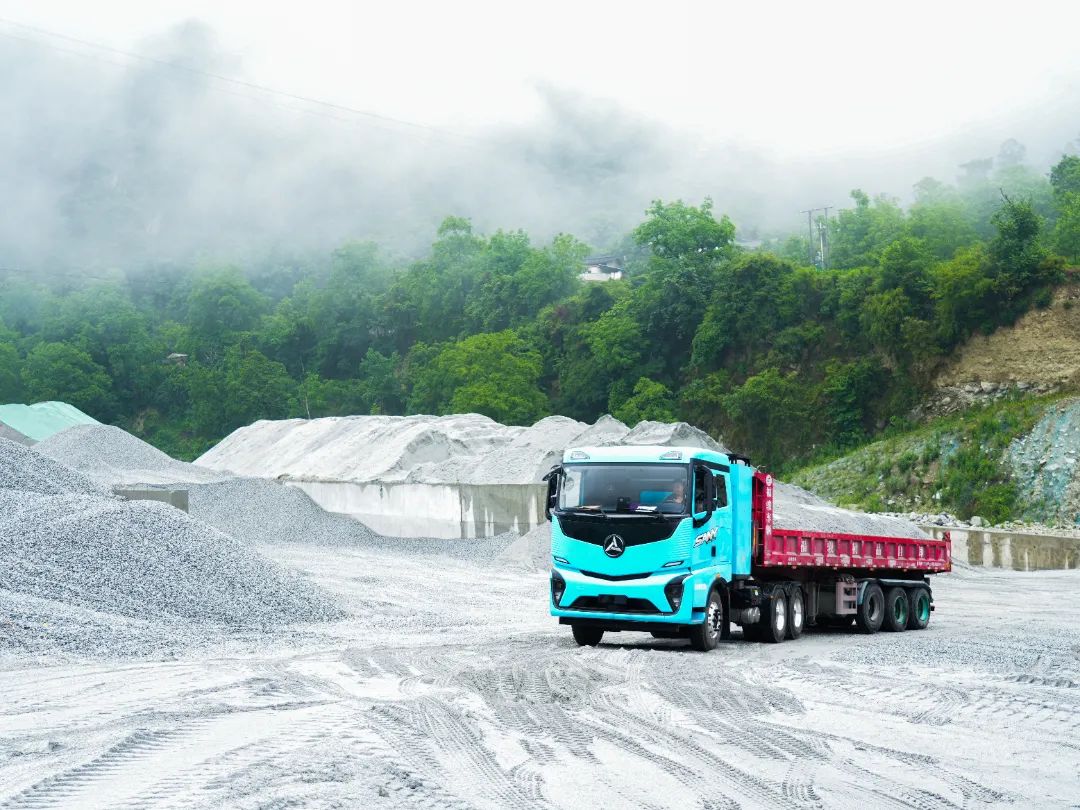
point(1041, 349)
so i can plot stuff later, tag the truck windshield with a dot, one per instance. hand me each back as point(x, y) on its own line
point(663, 488)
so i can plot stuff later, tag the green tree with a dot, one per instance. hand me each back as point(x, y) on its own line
point(1065, 180)
point(10, 383)
point(61, 371)
point(754, 299)
point(222, 306)
point(769, 416)
point(651, 401)
point(380, 382)
point(847, 398)
point(679, 231)
point(858, 235)
point(495, 374)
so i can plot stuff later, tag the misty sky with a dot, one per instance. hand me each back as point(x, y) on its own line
point(586, 110)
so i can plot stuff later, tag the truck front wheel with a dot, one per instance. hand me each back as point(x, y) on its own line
point(871, 612)
point(586, 636)
point(706, 636)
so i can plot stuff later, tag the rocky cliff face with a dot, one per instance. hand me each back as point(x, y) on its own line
point(1039, 354)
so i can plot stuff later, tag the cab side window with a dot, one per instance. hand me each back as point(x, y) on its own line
point(699, 489)
point(721, 491)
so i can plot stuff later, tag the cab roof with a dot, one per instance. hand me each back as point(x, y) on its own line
point(642, 453)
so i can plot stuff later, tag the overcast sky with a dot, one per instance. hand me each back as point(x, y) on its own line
point(549, 116)
point(795, 79)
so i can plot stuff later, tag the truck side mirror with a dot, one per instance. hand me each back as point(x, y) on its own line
point(552, 498)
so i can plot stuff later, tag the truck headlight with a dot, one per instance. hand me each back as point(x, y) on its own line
point(558, 587)
point(674, 592)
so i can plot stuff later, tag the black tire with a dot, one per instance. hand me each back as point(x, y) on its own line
point(871, 611)
point(796, 613)
point(774, 619)
point(918, 608)
point(586, 636)
point(897, 610)
point(705, 636)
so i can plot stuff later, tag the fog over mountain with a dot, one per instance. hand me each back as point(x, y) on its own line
point(112, 161)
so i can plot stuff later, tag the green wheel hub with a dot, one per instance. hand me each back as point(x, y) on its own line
point(900, 611)
point(922, 607)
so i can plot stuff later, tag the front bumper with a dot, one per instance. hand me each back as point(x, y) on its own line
point(640, 601)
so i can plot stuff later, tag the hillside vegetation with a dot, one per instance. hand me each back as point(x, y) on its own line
point(1009, 460)
point(786, 360)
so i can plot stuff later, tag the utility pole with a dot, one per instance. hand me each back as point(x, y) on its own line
point(810, 233)
point(822, 257)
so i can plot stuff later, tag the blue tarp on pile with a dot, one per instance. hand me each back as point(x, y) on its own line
point(35, 423)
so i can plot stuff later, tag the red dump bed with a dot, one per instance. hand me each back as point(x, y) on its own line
point(776, 547)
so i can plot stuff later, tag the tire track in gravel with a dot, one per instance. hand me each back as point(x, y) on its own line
point(65, 789)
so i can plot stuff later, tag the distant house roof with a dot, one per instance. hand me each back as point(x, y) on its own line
point(38, 422)
point(593, 275)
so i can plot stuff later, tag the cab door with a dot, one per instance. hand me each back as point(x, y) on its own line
point(712, 517)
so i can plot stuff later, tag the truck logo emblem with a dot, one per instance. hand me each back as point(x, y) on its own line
point(614, 546)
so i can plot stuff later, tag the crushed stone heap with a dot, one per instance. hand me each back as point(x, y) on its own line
point(144, 560)
point(112, 456)
point(24, 469)
point(255, 510)
point(795, 508)
point(456, 449)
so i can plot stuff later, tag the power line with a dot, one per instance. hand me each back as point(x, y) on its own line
point(327, 105)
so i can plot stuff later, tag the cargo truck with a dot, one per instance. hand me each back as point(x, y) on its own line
point(680, 542)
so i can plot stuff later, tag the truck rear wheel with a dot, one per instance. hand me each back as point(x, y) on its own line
point(796, 613)
point(774, 619)
point(919, 608)
point(586, 636)
point(896, 610)
point(706, 636)
point(871, 611)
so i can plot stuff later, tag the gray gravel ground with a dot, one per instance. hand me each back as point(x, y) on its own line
point(438, 693)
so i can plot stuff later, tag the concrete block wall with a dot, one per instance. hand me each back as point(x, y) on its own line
point(1017, 551)
point(432, 510)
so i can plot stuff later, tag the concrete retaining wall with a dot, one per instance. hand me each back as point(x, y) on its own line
point(999, 548)
point(433, 510)
point(177, 498)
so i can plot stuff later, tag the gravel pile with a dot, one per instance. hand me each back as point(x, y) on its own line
point(145, 561)
point(522, 459)
point(672, 434)
point(532, 550)
point(795, 508)
point(113, 456)
point(24, 469)
point(255, 511)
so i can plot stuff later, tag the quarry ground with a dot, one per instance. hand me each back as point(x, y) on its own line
point(453, 688)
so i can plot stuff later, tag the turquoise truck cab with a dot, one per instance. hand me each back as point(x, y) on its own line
point(649, 539)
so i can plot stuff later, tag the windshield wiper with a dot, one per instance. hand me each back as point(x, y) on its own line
point(587, 510)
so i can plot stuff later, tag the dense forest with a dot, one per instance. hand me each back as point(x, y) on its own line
point(786, 359)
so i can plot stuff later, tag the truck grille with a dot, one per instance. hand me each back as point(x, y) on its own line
point(614, 603)
point(634, 531)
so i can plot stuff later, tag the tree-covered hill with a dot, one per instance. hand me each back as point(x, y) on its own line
point(787, 360)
